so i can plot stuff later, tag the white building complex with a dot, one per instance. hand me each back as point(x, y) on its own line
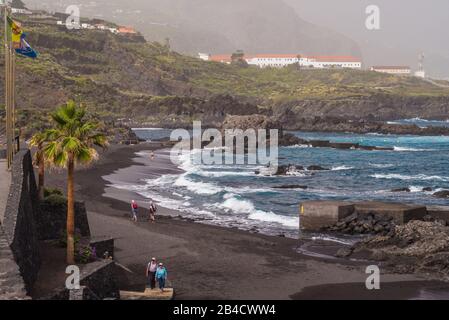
point(283, 60)
point(397, 70)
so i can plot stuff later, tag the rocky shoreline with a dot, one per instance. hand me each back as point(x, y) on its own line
point(418, 246)
point(318, 124)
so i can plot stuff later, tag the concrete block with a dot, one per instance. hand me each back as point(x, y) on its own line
point(439, 212)
point(401, 213)
point(315, 215)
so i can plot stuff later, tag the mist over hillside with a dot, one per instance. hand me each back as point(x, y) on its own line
point(408, 28)
point(256, 26)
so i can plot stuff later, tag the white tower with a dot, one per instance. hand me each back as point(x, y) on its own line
point(420, 73)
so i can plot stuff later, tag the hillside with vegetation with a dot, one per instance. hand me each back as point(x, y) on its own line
point(126, 77)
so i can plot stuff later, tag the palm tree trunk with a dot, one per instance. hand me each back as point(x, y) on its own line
point(70, 213)
point(41, 175)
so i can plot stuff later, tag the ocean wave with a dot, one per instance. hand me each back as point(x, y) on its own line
point(178, 205)
point(219, 174)
point(340, 168)
point(405, 149)
point(291, 222)
point(409, 177)
point(298, 146)
point(375, 134)
point(420, 189)
point(381, 165)
point(233, 204)
point(198, 187)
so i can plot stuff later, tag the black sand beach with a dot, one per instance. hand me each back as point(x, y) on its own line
point(210, 262)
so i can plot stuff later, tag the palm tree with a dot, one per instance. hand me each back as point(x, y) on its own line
point(38, 140)
point(72, 142)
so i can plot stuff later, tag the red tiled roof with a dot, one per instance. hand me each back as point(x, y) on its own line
point(126, 30)
point(273, 56)
point(221, 58)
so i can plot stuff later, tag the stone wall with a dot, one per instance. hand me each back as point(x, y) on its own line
point(98, 277)
point(103, 245)
point(12, 285)
point(18, 225)
point(51, 219)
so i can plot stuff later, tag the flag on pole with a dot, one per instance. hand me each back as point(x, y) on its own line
point(17, 37)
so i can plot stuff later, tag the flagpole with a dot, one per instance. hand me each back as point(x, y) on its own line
point(13, 98)
point(7, 88)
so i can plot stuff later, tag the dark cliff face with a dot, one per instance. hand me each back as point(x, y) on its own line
point(376, 107)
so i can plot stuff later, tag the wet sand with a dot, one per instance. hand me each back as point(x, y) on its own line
point(211, 262)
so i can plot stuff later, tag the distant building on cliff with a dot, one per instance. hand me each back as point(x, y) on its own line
point(328, 62)
point(397, 70)
point(126, 30)
point(283, 60)
point(204, 56)
point(21, 11)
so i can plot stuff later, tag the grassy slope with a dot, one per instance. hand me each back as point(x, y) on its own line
point(115, 75)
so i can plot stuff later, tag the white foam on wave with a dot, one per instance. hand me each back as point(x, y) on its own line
point(381, 165)
point(291, 222)
point(298, 146)
point(340, 168)
point(295, 173)
point(219, 174)
point(198, 187)
point(415, 188)
point(178, 205)
point(405, 149)
point(409, 177)
point(233, 204)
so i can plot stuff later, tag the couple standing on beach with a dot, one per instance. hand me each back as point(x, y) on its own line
point(157, 273)
point(152, 210)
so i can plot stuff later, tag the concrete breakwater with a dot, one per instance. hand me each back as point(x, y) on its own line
point(338, 215)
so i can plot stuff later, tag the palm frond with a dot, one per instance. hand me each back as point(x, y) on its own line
point(72, 135)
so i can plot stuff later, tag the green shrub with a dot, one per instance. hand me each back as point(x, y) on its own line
point(52, 191)
point(56, 200)
point(85, 254)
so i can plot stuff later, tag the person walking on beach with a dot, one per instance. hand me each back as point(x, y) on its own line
point(161, 276)
point(151, 273)
point(134, 208)
point(153, 210)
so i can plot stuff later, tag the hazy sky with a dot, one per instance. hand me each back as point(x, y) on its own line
point(408, 27)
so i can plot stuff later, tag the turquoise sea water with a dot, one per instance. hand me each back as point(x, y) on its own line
point(236, 196)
